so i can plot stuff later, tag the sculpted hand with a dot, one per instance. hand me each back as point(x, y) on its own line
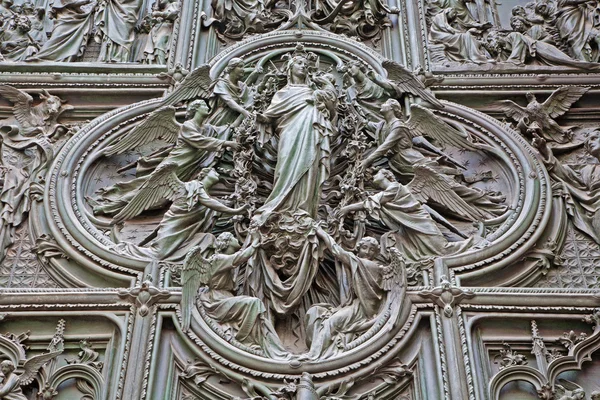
point(234, 146)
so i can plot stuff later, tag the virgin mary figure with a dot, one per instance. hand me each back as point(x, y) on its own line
point(284, 268)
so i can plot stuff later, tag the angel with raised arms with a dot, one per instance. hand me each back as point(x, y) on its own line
point(242, 317)
point(329, 328)
point(400, 208)
point(192, 212)
point(404, 144)
point(196, 146)
point(539, 117)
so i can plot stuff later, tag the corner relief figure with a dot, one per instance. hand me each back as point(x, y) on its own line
point(299, 205)
point(539, 34)
point(30, 141)
point(62, 31)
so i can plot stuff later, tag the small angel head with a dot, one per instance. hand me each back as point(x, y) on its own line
point(208, 176)
point(519, 10)
point(197, 106)
point(383, 178)
point(226, 243)
point(368, 247)
point(7, 367)
point(393, 107)
point(592, 143)
point(355, 68)
point(235, 68)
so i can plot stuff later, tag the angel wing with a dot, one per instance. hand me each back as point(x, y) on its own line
point(162, 184)
point(196, 84)
point(33, 365)
point(405, 81)
point(512, 109)
point(393, 274)
point(161, 124)
point(195, 273)
point(561, 100)
point(430, 184)
point(22, 104)
point(423, 122)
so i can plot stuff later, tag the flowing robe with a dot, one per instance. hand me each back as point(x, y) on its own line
point(195, 149)
point(574, 23)
point(459, 46)
point(159, 39)
point(393, 137)
point(243, 315)
point(582, 186)
point(302, 167)
point(70, 33)
point(522, 48)
point(225, 91)
point(303, 152)
point(369, 96)
point(325, 333)
point(415, 233)
point(10, 389)
point(115, 20)
point(183, 226)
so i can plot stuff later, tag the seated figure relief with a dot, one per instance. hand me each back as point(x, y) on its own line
point(297, 206)
point(66, 29)
point(540, 33)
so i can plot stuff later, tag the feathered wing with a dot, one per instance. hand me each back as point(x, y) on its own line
point(22, 104)
point(195, 273)
point(430, 184)
point(407, 82)
point(562, 99)
point(394, 273)
point(197, 84)
point(423, 122)
point(512, 109)
point(33, 365)
point(162, 184)
point(161, 124)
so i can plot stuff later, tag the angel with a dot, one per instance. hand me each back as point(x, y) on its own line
point(568, 390)
point(192, 212)
point(328, 328)
point(196, 146)
point(539, 117)
point(370, 90)
point(10, 386)
point(230, 98)
point(402, 138)
point(400, 208)
point(243, 317)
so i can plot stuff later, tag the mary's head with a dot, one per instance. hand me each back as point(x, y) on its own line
point(297, 69)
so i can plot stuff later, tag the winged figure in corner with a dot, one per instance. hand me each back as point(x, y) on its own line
point(539, 117)
point(196, 145)
point(431, 173)
point(568, 390)
point(369, 90)
point(10, 387)
point(32, 120)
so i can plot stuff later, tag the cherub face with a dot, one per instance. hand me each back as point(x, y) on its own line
point(367, 250)
point(593, 143)
point(202, 110)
